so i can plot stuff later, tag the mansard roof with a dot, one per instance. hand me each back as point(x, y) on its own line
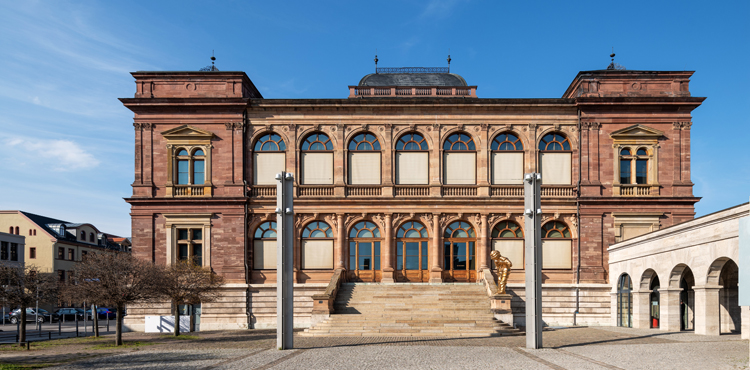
point(412, 79)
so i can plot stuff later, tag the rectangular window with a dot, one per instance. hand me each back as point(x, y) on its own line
point(412, 168)
point(557, 254)
point(317, 254)
point(183, 172)
point(460, 168)
point(510, 249)
point(266, 166)
point(624, 171)
point(641, 171)
point(61, 276)
point(376, 255)
point(264, 254)
point(83, 255)
point(60, 253)
point(32, 252)
point(14, 251)
point(190, 245)
point(556, 168)
point(317, 168)
point(71, 254)
point(364, 168)
point(199, 172)
point(507, 168)
point(4, 251)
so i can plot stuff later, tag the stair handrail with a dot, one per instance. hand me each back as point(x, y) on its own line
point(323, 303)
point(489, 283)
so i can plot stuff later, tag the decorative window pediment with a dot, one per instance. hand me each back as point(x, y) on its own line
point(189, 161)
point(186, 134)
point(636, 132)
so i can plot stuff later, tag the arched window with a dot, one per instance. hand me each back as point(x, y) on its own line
point(191, 169)
point(30, 232)
point(18, 232)
point(10, 230)
point(317, 160)
point(459, 160)
point(34, 232)
point(364, 160)
point(624, 301)
point(364, 251)
point(268, 159)
point(264, 246)
point(557, 252)
point(459, 241)
point(412, 243)
point(317, 246)
point(412, 160)
point(507, 238)
point(634, 168)
point(83, 235)
point(91, 237)
point(507, 159)
point(555, 159)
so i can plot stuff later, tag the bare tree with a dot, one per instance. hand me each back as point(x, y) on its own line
point(115, 279)
point(23, 286)
point(187, 283)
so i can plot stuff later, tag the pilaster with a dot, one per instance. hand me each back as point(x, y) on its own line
point(707, 320)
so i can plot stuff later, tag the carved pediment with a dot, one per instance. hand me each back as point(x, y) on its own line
point(637, 132)
point(186, 132)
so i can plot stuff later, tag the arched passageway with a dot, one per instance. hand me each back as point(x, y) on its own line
point(724, 273)
point(624, 301)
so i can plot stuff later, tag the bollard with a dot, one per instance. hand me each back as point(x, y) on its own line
point(107, 322)
point(76, 325)
point(59, 328)
point(50, 335)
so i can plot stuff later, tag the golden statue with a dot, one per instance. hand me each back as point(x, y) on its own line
point(503, 266)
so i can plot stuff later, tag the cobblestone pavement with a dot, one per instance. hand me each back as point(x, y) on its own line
point(574, 348)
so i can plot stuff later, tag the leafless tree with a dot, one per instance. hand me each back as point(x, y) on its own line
point(187, 283)
point(114, 279)
point(23, 286)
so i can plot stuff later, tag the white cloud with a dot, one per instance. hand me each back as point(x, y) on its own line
point(58, 155)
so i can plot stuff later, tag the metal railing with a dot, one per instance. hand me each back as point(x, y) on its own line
point(413, 70)
point(403, 91)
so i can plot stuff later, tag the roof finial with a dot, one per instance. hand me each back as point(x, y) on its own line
point(213, 58)
point(212, 67)
point(449, 60)
point(612, 65)
point(376, 60)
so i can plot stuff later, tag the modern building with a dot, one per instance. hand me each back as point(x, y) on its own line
point(683, 277)
point(12, 249)
point(54, 245)
point(410, 179)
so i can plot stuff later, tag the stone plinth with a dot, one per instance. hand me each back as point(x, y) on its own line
point(500, 305)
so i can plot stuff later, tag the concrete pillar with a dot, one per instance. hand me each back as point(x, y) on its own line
point(707, 310)
point(670, 309)
point(387, 250)
point(642, 309)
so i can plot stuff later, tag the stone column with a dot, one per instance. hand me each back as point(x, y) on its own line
point(670, 309)
point(340, 242)
point(642, 309)
point(483, 249)
point(707, 310)
point(483, 162)
point(436, 273)
point(387, 251)
point(745, 322)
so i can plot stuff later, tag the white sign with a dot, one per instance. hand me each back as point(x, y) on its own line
point(165, 324)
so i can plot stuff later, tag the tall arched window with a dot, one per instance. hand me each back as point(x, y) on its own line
point(317, 246)
point(83, 235)
point(624, 301)
point(412, 160)
point(555, 159)
point(91, 237)
point(364, 160)
point(191, 169)
point(557, 246)
point(634, 168)
point(459, 241)
point(364, 252)
point(459, 160)
point(268, 159)
point(412, 243)
point(264, 246)
point(18, 232)
point(10, 230)
point(507, 159)
point(317, 160)
point(507, 238)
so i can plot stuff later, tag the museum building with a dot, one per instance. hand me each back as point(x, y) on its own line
point(411, 179)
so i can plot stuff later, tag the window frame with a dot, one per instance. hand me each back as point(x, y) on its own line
point(303, 238)
point(308, 150)
point(379, 151)
point(404, 239)
point(496, 234)
point(633, 160)
point(447, 254)
point(569, 237)
point(272, 226)
point(258, 151)
point(191, 139)
point(372, 227)
point(445, 152)
point(422, 143)
point(190, 242)
point(494, 150)
point(174, 221)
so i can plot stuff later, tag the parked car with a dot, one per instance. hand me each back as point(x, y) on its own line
point(103, 313)
point(70, 314)
point(6, 317)
point(31, 315)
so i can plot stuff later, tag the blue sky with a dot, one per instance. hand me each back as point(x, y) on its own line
point(67, 142)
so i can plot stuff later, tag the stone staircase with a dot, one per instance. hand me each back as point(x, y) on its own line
point(411, 310)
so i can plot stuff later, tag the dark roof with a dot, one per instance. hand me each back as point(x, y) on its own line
point(46, 223)
point(412, 79)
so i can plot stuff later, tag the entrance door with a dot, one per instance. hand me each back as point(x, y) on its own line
point(412, 243)
point(364, 253)
point(654, 303)
point(459, 252)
